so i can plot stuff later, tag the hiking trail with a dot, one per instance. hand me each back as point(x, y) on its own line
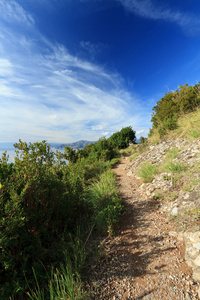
point(141, 261)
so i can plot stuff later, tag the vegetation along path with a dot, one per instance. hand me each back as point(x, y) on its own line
point(141, 261)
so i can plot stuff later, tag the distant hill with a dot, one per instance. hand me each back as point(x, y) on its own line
point(77, 145)
point(137, 140)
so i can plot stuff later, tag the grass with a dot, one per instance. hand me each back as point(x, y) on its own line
point(188, 126)
point(174, 167)
point(64, 284)
point(134, 156)
point(184, 177)
point(154, 139)
point(168, 165)
point(172, 153)
point(189, 220)
point(127, 150)
point(65, 281)
point(172, 196)
point(138, 150)
point(158, 195)
point(147, 171)
point(103, 196)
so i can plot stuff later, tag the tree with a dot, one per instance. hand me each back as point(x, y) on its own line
point(122, 138)
point(142, 140)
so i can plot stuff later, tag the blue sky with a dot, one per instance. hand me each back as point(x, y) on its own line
point(82, 69)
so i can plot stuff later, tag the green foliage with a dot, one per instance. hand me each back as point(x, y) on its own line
point(143, 140)
point(169, 165)
point(172, 105)
point(122, 138)
point(147, 171)
point(134, 156)
point(194, 134)
point(104, 149)
point(105, 202)
point(70, 154)
point(63, 284)
point(175, 167)
point(172, 153)
point(36, 209)
point(158, 195)
point(43, 201)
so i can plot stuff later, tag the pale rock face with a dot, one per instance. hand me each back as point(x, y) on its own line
point(174, 211)
point(197, 261)
point(192, 251)
point(196, 275)
point(197, 246)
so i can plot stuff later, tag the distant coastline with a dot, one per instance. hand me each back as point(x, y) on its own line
point(77, 145)
point(54, 146)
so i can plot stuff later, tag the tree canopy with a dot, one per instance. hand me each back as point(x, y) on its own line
point(167, 110)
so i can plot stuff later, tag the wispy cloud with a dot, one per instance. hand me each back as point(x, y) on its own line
point(93, 49)
point(48, 93)
point(147, 9)
point(13, 12)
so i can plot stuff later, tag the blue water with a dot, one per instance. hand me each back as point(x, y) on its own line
point(12, 154)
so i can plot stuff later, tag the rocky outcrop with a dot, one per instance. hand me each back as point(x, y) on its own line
point(192, 250)
point(155, 154)
point(189, 153)
point(163, 184)
point(176, 200)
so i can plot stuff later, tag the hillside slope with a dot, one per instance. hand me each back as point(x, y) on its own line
point(170, 171)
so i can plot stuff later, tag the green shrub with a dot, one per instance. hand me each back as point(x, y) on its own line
point(172, 105)
point(36, 210)
point(122, 138)
point(43, 201)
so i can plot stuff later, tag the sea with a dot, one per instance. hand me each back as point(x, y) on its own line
point(11, 153)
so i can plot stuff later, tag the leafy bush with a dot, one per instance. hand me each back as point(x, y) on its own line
point(43, 202)
point(36, 210)
point(122, 138)
point(172, 105)
point(143, 140)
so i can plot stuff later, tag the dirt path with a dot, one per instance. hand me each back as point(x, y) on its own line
point(141, 261)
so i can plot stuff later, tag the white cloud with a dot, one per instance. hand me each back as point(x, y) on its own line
point(93, 49)
point(147, 9)
point(13, 12)
point(48, 93)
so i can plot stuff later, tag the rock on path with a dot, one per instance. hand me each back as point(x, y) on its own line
point(142, 261)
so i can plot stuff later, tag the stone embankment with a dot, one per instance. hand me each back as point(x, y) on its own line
point(179, 191)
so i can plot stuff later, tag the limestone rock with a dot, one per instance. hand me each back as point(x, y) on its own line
point(174, 211)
